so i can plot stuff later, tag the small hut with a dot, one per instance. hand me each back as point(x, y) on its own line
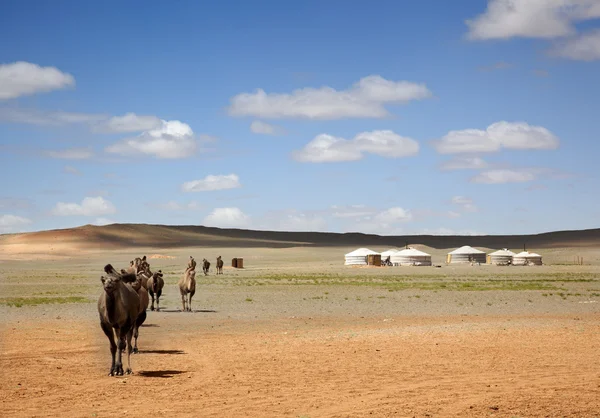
point(411, 257)
point(359, 257)
point(501, 257)
point(525, 258)
point(466, 255)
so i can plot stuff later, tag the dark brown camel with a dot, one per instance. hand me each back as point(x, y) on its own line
point(205, 266)
point(144, 302)
point(219, 265)
point(118, 307)
point(155, 287)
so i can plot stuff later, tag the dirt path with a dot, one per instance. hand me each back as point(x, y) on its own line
point(309, 367)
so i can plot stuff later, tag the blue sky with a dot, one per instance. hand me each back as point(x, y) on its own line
point(382, 117)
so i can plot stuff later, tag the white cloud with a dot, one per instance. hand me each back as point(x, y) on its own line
point(47, 118)
point(502, 176)
point(129, 122)
point(12, 223)
point(72, 170)
point(259, 127)
point(327, 148)
point(90, 206)
point(211, 183)
point(585, 47)
point(394, 215)
point(464, 163)
point(25, 79)
point(352, 211)
point(544, 19)
point(365, 99)
point(297, 221)
point(227, 218)
point(174, 139)
point(102, 221)
point(71, 154)
point(509, 135)
point(465, 203)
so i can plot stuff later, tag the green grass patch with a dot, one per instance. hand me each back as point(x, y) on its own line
point(37, 300)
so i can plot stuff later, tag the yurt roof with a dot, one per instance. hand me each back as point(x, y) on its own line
point(503, 251)
point(412, 252)
point(389, 252)
point(360, 252)
point(466, 250)
point(527, 254)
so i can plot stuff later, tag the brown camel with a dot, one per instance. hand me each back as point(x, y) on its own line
point(137, 285)
point(118, 307)
point(219, 265)
point(205, 266)
point(187, 288)
point(155, 287)
point(191, 264)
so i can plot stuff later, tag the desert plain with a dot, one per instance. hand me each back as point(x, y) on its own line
point(295, 333)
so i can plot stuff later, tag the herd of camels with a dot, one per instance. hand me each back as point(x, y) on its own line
point(123, 303)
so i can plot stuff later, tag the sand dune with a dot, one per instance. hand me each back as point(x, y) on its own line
point(161, 236)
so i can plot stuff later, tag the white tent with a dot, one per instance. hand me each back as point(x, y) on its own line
point(503, 257)
point(358, 257)
point(388, 253)
point(465, 254)
point(526, 258)
point(411, 257)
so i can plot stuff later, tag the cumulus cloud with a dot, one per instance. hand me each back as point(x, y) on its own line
point(584, 47)
point(173, 139)
point(502, 176)
point(509, 135)
point(464, 163)
point(211, 183)
point(227, 218)
point(326, 148)
point(12, 223)
point(90, 206)
point(465, 203)
point(546, 19)
point(72, 170)
point(365, 99)
point(102, 221)
point(47, 118)
point(71, 154)
point(25, 79)
point(129, 122)
point(260, 127)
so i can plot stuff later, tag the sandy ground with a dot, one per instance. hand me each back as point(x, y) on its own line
point(258, 347)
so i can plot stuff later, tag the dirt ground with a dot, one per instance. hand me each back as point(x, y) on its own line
point(257, 347)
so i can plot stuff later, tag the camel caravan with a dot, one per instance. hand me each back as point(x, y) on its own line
point(123, 303)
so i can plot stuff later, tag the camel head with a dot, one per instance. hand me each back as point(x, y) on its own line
point(109, 283)
point(157, 274)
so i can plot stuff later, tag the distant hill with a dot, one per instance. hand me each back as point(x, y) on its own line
point(163, 236)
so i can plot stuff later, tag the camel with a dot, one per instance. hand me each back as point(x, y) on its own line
point(187, 288)
point(155, 286)
point(205, 266)
point(191, 264)
point(219, 265)
point(138, 286)
point(118, 307)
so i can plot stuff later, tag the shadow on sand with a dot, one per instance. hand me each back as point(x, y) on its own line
point(165, 374)
point(162, 352)
point(151, 325)
point(193, 311)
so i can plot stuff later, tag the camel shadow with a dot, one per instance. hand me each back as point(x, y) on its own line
point(162, 352)
point(165, 374)
point(151, 325)
point(193, 311)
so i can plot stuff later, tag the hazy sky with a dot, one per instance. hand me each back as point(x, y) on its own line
point(386, 117)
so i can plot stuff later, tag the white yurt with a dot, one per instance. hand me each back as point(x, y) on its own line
point(358, 257)
point(526, 258)
point(501, 257)
point(388, 253)
point(411, 257)
point(466, 255)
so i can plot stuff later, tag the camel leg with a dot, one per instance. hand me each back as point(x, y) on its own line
point(151, 294)
point(136, 330)
point(183, 302)
point(129, 371)
point(121, 347)
point(113, 347)
point(157, 300)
